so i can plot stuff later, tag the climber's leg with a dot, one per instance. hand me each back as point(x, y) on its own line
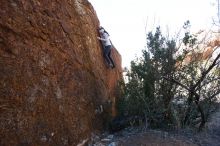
point(106, 52)
point(112, 62)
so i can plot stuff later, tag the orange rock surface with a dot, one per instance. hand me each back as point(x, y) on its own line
point(55, 87)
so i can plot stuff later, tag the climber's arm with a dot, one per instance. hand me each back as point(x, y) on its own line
point(102, 39)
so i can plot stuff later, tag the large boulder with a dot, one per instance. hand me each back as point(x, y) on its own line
point(55, 87)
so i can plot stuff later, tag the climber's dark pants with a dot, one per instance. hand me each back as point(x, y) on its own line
point(107, 53)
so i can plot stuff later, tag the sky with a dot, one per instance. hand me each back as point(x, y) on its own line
point(128, 21)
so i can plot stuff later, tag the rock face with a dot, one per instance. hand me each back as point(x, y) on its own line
point(55, 87)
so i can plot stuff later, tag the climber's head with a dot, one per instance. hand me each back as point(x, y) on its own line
point(101, 29)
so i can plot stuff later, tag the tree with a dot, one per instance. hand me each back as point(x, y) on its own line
point(146, 90)
point(194, 80)
point(170, 89)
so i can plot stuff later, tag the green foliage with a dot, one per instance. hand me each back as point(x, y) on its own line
point(146, 93)
point(164, 90)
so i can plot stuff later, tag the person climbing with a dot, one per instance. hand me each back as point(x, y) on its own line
point(107, 46)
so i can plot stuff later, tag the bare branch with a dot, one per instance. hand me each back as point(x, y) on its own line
point(178, 83)
point(212, 80)
point(206, 72)
point(215, 94)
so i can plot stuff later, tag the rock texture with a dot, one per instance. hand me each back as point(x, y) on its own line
point(55, 88)
point(210, 50)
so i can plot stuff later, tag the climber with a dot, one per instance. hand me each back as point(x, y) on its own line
point(107, 46)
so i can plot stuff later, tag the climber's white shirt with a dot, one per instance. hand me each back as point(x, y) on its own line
point(105, 39)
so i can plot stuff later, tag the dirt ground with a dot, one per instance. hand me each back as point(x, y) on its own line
point(152, 139)
point(209, 137)
point(139, 136)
